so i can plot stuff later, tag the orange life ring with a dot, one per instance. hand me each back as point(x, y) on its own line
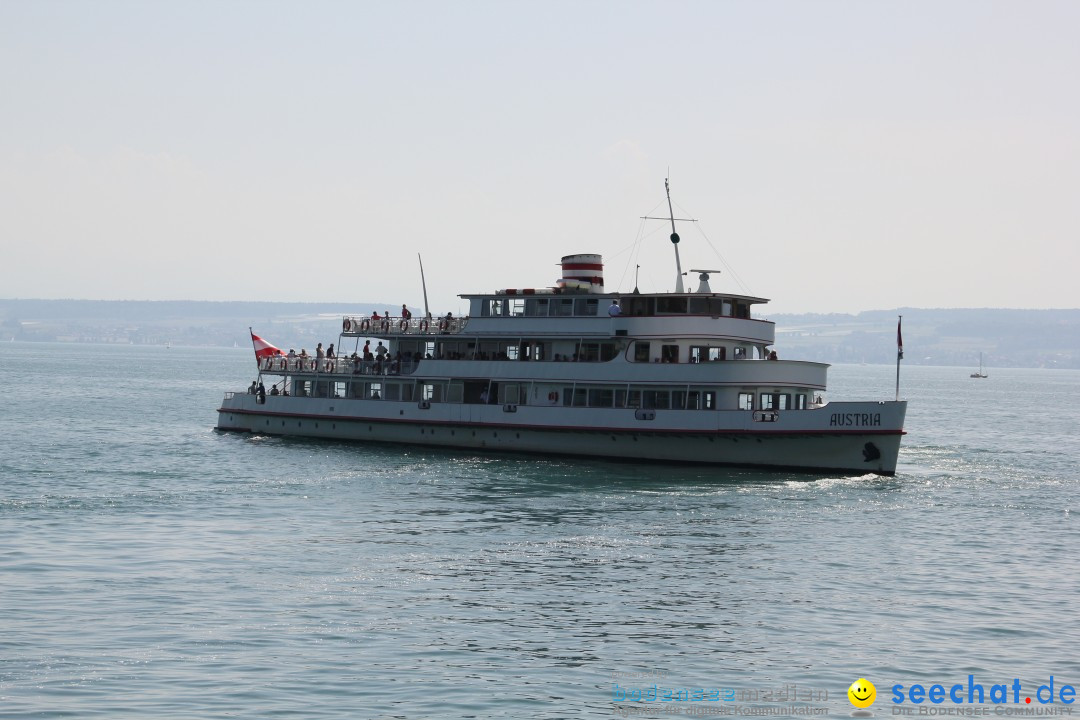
point(424, 325)
point(444, 325)
point(345, 324)
point(553, 397)
point(329, 366)
point(403, 326)
point(385, 325)
point(365, 325)
point(283, 364)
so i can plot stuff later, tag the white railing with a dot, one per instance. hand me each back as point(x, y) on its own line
point(369, 327)
point(337, 366)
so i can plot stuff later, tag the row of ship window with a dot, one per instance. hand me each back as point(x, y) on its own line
point(538, 350)
point(632, 305)
point(480, 392)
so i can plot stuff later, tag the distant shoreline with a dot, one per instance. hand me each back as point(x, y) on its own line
point(948, 337)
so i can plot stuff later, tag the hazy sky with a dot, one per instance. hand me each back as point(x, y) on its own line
point(840, 156)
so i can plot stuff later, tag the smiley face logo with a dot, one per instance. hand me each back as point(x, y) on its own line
point(862, 693)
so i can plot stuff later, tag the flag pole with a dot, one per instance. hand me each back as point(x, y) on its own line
point(899, 352)
point(423, 283)
point(253, 348)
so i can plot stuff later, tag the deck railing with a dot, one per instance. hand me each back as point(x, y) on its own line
point(346, 366)
point(370, 327)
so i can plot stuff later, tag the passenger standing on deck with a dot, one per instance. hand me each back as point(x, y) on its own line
point(319, 353)
point(330, 352)
point(614, 310)
point(405, 314)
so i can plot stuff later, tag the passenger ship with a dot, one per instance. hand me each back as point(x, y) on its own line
point(684, 377)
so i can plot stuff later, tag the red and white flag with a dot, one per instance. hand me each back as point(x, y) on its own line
point(263, 349)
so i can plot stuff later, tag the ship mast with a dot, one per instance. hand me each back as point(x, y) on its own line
point(674, 236)
point(674, 240)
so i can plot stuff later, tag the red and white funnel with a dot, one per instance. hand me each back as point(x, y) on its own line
point(582, 272)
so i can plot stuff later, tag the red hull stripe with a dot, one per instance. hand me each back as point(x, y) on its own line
point(583, 266)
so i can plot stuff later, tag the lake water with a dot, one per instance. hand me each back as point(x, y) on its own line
point(153, 567)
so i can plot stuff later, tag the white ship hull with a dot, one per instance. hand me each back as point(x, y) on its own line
point(859, 437)
point(689, 377)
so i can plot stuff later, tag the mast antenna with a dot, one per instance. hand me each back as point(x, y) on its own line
point(674, 236)
point(674, 240)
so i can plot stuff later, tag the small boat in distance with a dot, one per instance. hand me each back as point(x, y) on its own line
point(980, 373)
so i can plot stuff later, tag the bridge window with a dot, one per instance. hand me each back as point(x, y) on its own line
point(586, 306)
point(746, 401)
point(536, 307)
point(639, 306)
point(671, 305)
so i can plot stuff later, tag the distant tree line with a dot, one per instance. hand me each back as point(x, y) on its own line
point(938, 336)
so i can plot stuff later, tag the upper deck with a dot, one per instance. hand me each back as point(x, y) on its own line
point(585, 315)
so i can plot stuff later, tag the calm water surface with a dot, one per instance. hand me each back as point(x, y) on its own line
point(152, 567)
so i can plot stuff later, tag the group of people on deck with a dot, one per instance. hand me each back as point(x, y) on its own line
point(405, 314)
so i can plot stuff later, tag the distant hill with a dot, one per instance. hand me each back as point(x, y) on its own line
point(180, 322)
point(1007, 338)
point(943, 336)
